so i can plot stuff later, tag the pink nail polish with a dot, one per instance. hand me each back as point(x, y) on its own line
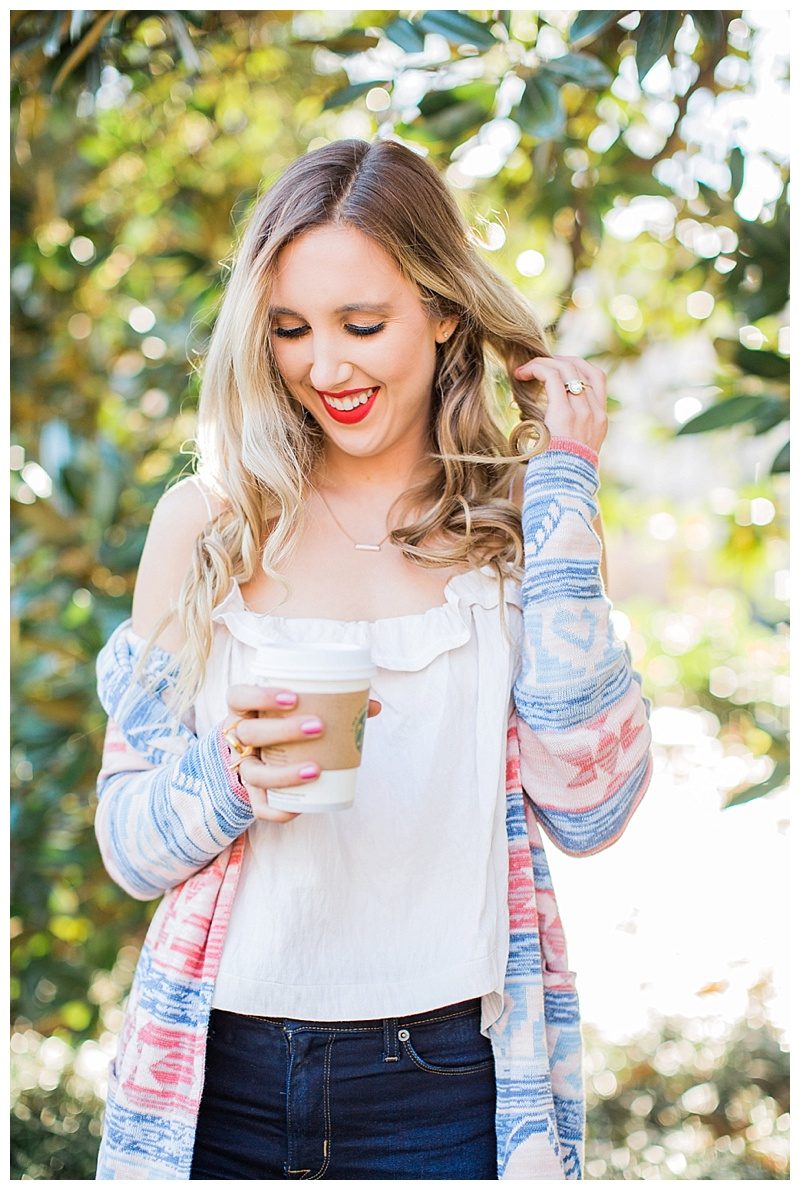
point(311, 727)
point(286, 698)
point(309, 772)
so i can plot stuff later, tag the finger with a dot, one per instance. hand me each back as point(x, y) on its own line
point(588, 406)
point(243, 700)
point(568, 366)
point(277, 776)
point(595, 406)
point(593, 377)
point(263, 810)
point(590, 402)
point(527, 371)
point(263, 732)
point(565, 416)
point(549, 366)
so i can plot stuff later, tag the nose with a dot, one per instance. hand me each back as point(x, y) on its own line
point(329, 367)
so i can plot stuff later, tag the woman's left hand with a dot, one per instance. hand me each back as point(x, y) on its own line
point(581, 416)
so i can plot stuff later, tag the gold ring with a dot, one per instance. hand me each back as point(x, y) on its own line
point(575, 386)
point(236, 746)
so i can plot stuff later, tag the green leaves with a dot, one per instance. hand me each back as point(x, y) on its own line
point(762, 363)
point(457, 27)
point(654, 37)
point(774, 410)
point(768, 411)
point(710, 24)
point(780, 463)
point(765, 246)
point(539, 111)
point(346, 95)
point(749, 1060)
point(736, 166)
point(405, 34)
point(579, 68)
point(779, 775)
point(763, 411)
point(351, 41)
point(587, 25)
point(481, 94)
point(449, 114)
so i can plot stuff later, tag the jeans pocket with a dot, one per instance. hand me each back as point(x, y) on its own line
point(453, 1046)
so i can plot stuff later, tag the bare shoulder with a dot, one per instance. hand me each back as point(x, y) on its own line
point(178, 520)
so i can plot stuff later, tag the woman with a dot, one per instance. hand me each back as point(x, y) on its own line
point(382, 993)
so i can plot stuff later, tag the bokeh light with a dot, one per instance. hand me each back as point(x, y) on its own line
point(82, 249)
point(530, 263)
point(700, 304)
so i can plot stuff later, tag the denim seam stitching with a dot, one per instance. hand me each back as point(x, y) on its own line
point(423, 1065)
point(327, 1110)
point(323, 1027)
point(390, 1041)
point(289, 1139)
point(402, 1021)
point(449, 1017)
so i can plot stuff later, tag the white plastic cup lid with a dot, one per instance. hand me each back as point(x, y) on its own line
point(314, 662)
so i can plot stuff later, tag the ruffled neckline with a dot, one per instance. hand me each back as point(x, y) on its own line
point(408, 642)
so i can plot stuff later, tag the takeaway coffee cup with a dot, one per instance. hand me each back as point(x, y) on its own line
point(331, 681)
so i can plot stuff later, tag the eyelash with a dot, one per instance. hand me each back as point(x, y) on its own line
point(296, 332)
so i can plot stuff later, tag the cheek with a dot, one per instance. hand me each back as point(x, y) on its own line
point(409, 358)
point(286, 361)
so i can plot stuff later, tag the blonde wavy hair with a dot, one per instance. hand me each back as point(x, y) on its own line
point(258, 447)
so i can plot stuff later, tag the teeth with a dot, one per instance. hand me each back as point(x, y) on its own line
point(345, 404)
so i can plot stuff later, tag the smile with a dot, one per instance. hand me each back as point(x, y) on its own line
point(349, 410)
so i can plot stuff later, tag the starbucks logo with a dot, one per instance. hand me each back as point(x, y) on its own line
point(358, 728)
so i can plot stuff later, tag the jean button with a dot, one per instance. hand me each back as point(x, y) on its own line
point(403, 1034)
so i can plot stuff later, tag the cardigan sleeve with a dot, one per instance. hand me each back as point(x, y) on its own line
point(583, 722)
point(168, 802)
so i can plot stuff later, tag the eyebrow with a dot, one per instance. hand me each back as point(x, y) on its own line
point(365, 307)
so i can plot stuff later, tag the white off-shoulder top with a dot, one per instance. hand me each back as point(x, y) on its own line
point(398, 905)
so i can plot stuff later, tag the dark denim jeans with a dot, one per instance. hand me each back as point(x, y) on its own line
point(412, 1097)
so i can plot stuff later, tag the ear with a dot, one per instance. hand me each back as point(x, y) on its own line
point(445, 328)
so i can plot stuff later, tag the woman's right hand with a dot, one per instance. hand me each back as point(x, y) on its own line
point(263, 716)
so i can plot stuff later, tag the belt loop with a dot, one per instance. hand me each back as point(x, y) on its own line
point(391, 1051)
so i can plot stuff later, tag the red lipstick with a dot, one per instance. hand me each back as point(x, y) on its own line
point(344, 392)
point(348, 417)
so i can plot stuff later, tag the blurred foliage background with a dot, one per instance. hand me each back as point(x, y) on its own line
point(607, 165)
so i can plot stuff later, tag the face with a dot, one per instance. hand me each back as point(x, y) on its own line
point(354, 343)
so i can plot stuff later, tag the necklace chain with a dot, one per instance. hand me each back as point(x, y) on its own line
point(359, 545)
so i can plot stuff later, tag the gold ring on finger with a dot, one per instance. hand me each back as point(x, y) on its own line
point(575, 386)
point(241, 751)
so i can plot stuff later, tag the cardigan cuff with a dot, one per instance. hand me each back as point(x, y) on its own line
point(567, 469)
point(574, 447)
point(226, 755)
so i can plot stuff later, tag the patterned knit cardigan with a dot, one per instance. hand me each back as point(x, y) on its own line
point(172, 818)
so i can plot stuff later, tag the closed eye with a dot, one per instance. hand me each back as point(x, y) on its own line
point(289, 333)
point(366, 330)
point(296, 332)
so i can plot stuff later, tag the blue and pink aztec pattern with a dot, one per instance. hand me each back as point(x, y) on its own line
point(583, 722)
point(172, 818)
point(181, 805)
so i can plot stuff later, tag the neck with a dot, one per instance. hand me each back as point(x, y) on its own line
point(371, 477)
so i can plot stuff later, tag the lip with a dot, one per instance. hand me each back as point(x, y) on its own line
point(349, 417)
point(345, 392)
